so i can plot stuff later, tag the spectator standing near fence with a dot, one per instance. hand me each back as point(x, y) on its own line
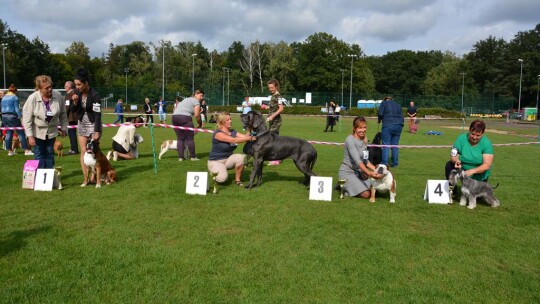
point(119, 110)
point(391, 115)
point(161, 107)
point(148, 110)
point(275, 108)
point(330, 116)
point(411, 112)
point(72, 118)
point(11, 117)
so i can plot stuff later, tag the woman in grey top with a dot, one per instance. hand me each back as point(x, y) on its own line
point(182, 117)
point(356, 168)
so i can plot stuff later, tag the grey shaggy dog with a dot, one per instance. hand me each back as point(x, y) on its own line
point(472, 189)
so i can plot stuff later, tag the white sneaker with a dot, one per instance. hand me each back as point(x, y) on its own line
point(115, 156)
point(11, 153)
point(109, 155)
point(180, 159)
point(28, 152)
point(194, 159)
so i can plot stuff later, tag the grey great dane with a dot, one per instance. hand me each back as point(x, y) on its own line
point(270, 146)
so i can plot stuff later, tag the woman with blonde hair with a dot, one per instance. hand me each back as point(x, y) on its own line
point(224, 142)
point(43, 111)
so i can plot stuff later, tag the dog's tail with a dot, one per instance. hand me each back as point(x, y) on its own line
point(496, 186)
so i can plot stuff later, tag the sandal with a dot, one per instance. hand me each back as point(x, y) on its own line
point(239, 184)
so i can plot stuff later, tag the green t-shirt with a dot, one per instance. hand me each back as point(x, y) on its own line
point(471, 157)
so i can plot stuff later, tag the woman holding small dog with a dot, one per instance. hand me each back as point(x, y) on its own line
point(356, 168)
point(472, 152)
point(224, 142)
point(43, 112)
point(124, 140)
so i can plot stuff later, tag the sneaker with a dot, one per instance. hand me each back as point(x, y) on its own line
point(194, 159)
point(74, 152)
point(109, 155)
point(11, 153)
point(180, 159)
point(115, 156)
point(28, 152)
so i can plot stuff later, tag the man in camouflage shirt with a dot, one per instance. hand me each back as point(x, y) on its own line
point(275, 107)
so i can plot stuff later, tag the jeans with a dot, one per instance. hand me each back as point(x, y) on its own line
point(44, 152)
point(390, 135)
point(119, 118)
point(11, 120)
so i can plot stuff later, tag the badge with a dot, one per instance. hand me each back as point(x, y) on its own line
point(366, 154)
point(453, 152)
point(96, 107)
point(49, 114)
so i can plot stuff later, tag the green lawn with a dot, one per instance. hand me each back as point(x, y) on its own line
point(143, 240)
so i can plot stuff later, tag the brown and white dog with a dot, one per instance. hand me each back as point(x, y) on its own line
point(58, 148)
point(166, 146)
point(98, 166)
point(386, 183)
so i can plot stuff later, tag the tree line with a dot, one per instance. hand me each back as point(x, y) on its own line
point(321, 63)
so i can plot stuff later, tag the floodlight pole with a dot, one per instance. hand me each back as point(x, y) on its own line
point(228, 83)
point(193, 74)
point(4, 45)
point(126, 70)
point(342, 71)
point(350, 93)
point(520, 76)
point(462, 92)
point(537, 93)
point(163, 71)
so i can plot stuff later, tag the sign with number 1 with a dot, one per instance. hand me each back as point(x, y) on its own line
point(197, 183)
point(44, 180)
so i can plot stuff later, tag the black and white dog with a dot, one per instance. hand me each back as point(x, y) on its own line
point(270, 146)
point(386, 183)
point(472, 189)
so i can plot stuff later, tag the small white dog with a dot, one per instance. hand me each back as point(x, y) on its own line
point(138, 140)
point(384, 184)
point(166, 146)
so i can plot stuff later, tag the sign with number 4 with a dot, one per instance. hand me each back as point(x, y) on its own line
point(320, 188)
point(437, 192)
point(197, 183)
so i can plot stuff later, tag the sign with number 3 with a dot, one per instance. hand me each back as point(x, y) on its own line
point(320, 188)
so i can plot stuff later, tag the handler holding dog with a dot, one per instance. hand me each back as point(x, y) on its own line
point(224, 142)
point(472, 152)
point(124, 140)
point(356, 168)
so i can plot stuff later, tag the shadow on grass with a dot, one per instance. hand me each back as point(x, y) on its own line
point(16, 239)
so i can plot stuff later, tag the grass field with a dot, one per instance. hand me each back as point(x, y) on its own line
point(143, 240)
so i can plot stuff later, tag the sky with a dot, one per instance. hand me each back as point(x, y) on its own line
point(378, 26)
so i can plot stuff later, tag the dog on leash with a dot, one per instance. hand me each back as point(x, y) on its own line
point(385, 184)
point(270, 146)
point(99, 167)
point(58, 148)
point(15, 142)
point(166, 146)
point(472, 189)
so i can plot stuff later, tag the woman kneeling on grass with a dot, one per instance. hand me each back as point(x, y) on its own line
point(224, 142)
point(124, 140)
point(355, 168)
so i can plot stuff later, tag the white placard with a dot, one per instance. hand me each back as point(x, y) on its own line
point(197, 183)
point(320, 188)
point(437, 192)
point(44, 180)
point(308, 98)
point(133, 107)
point(293, 100)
